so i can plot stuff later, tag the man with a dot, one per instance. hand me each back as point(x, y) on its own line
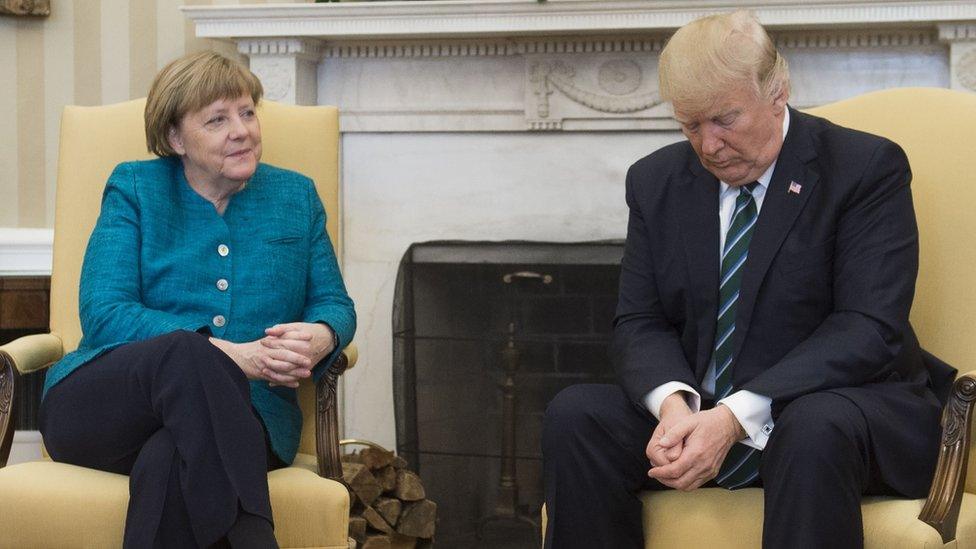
point(762, 334)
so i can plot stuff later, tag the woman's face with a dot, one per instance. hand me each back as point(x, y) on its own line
point(220, 144)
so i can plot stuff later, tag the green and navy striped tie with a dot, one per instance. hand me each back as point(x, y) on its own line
point(741, 465)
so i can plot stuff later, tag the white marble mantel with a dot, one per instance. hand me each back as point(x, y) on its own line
point(514, 119)
point(479, 18)
point(302, 52)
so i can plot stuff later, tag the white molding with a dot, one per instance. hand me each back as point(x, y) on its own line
point(953, 32)
point(855, 38)
point(26, 252)
point(301, 48)
point(490, 46)
point(481, 18)
point(816, 39)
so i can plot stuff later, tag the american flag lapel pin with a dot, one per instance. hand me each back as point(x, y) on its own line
point(795, 187)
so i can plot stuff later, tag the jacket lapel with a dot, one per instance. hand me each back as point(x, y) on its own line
point(698, 209)
point(779, 211)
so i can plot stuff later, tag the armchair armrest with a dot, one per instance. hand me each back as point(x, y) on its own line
point(327, 415)
point(26, 354)
point(352, 355)
point(941, 509)
point(33, 352)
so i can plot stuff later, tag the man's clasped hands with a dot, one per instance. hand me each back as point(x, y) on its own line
point(687, 448)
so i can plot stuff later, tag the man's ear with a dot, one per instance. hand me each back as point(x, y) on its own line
point(783, 96)
point(175, 141)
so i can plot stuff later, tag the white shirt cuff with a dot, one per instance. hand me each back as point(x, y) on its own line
point(754, 414)
point(655, 398)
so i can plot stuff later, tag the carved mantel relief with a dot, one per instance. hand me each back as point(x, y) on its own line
point(286, 66)
point(962, 54)
point(578, 88)
point(621, 91)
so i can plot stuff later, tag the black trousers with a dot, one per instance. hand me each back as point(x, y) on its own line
point(816, 466)
point(173, 413)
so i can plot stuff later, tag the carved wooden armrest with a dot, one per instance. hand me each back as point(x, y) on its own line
point(327, 415)
point(7, 417)
point(25, 354)
point(941, 509)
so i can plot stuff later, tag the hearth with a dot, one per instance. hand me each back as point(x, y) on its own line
point(485, 334)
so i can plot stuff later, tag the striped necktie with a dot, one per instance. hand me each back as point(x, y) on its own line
point(741, 465)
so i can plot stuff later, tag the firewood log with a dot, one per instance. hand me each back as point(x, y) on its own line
point(418, 519)
point(357, 529)
point(376, 459)
point(388, 508)
point(387, 476)
point(376, 541)
point(376, 520)
point(361, 481)
point(409, 486)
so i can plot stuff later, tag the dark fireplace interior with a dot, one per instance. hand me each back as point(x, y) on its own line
point(484, 335)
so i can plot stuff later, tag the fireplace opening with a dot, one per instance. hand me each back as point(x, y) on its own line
point(485, 334)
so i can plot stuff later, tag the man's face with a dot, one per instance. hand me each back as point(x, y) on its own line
point(739, 136)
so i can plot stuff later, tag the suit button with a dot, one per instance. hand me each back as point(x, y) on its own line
point(219, 321)
point(223, 250)
point(222, 284)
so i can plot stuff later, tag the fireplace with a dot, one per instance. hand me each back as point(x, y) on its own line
point(484, 335)
point(512, 120)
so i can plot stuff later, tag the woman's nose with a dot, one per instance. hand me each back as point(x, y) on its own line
point(237, 128)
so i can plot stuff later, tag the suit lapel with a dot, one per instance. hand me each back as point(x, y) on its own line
point(779, 211)
point(698, 210)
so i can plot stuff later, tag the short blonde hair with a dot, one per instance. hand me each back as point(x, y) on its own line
point(715, 54)
point(189, 84)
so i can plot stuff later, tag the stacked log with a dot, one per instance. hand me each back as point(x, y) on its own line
point(389, 507)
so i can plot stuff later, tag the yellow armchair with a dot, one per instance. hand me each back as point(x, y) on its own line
point(310, 508)
point(935, 127)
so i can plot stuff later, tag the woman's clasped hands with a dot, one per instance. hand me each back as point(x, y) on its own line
point(285, 355)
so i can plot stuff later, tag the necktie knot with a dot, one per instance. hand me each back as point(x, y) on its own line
point(748, 188)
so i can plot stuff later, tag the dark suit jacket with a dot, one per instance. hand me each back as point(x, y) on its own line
point(825, 295)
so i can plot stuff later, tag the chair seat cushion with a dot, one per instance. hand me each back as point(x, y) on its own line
point(702, 518)
point(47, 504)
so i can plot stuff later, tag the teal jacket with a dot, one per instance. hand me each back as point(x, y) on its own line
point(159, 249)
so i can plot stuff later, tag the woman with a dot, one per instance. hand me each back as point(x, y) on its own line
point(209, 290)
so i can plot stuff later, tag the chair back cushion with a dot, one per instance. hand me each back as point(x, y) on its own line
point(95, 139)
point(935, 127)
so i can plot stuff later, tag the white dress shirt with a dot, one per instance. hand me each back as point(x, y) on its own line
point(752, 410)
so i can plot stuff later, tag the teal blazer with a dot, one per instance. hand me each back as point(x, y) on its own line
point(159, 249)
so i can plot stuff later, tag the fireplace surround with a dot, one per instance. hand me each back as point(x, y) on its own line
point(515, 119)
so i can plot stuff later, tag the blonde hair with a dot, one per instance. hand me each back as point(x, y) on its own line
point(189, 84)
point(715, 54)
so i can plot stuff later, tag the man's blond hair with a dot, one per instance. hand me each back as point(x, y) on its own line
point(719, 53)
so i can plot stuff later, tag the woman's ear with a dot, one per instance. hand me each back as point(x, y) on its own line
point(175, 141)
